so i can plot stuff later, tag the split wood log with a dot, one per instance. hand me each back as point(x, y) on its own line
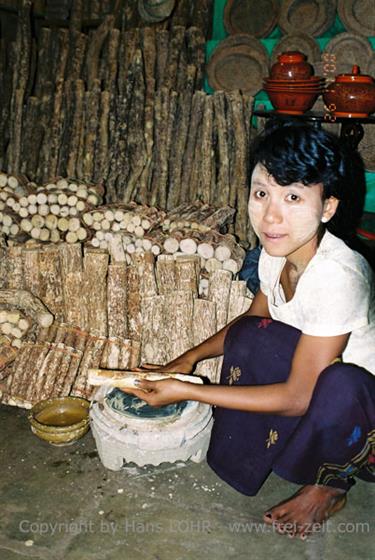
point(239, 193)
point(95, 267)
point(160, 112)
point(23, 42)
point(80, 340)
point(44, 54)
point(23, 368)
point(154, 336)
point(94, 48)
point(182, 71)
point(165, 274)
point(111, 354)
point(146, 176)
point(238, 290)
point(76, 14)
point(197, 109)
point(116, 249)
point(127, 379)
point(165, 155)
point(223, 183)
point(47, 102)
point(101, 160)
point(116, 301)
point(118, 126)
point(30, 257)
point(180, 133)
point(136, 142)
point(92, 100)
point(204, 326)
point(134, 302)
point(207, 151)
point(56, 129)
point(177, 36)
point(196, 53)
point(219, 292)
point(109, 81)
point(51, 288)
point(61, 58)
point(194, 181)
point(91, 359)
point(130, 354)
point(162, 40)
point(75, 312)
point(70, 258)
point(148, 40)
point(179, 321)
point(56, 385)
point(50, 363)
point(75, 361)
point(15, 269)
point(4, 263)
point(76, 126)
point(187, 269)
point(145, 263)
point(54, 360)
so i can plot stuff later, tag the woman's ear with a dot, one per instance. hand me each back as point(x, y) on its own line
point(329, 208)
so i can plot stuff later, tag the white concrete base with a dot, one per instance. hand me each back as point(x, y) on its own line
point(123, 439)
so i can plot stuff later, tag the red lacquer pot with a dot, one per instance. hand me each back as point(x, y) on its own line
point(351, 95)
point(291, 65)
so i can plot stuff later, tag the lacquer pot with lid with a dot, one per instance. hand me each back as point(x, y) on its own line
point(351, 95)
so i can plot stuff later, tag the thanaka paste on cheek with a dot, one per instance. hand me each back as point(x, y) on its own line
point(255, 212)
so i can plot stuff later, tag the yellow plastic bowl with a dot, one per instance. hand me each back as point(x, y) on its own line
point(60, 421)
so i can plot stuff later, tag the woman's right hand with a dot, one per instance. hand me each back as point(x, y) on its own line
point(182, 364)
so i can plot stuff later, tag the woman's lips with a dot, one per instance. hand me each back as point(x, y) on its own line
point(274, 236)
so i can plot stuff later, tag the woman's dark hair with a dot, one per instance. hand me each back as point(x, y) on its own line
point(297, 152)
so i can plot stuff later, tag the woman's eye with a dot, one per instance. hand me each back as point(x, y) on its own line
point(293, 197)
point(259, 194)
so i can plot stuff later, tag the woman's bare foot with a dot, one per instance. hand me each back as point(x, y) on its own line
point(303, 512)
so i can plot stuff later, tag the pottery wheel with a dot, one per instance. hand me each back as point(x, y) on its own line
point(130, 405)
point(128, 430)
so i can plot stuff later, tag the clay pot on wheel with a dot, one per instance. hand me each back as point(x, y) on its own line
point(351, 95)
point(291, 65)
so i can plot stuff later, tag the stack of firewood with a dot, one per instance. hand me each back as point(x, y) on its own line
point(123, 108)
point(48, 213)
point(132, 228)
point(114, 314)
point(68, 211)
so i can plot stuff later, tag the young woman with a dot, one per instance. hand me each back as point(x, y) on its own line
point(297, 390)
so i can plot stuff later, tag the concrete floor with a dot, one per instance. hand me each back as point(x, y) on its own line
point(61, 504)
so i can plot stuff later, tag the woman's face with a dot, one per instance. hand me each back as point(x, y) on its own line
point(286, 218)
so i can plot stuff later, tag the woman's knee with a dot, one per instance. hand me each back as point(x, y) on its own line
point(341, 381)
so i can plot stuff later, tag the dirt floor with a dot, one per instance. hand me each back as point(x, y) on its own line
point(60, 503)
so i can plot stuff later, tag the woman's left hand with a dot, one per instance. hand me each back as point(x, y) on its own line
point(159, 393)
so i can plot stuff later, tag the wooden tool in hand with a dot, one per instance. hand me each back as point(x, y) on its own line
point(126, 378)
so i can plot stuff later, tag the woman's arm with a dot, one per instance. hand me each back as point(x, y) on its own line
point(291, 398)
point(214, 345)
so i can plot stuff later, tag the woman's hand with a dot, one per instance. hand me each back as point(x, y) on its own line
point(159, 393)
point(182, 364)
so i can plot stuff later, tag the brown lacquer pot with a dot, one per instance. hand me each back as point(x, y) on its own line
point(351, 95)
point(291, 65)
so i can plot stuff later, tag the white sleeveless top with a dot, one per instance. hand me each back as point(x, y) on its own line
point(334, 295)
